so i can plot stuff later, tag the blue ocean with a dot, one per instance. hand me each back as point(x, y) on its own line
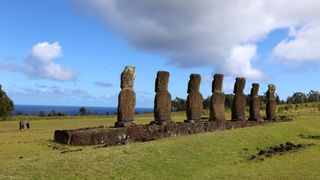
point(70, 110)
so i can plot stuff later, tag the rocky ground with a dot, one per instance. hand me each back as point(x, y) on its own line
point(278, 150)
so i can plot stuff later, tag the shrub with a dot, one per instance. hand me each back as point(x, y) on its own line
point(6, 105)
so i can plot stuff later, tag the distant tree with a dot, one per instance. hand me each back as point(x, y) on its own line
point(297, 97)
point(228, 100)
point(6, 105)
point(313, 96)
point(19, 113)
point(60, 114)
point(248, 99)
point(82, 111)
point(206, 103)
point(179, 104)
point(263, 98)
point(278, 100)
point(53, 113)
point(42, 114)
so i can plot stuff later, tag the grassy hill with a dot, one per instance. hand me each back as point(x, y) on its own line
point(32, 154)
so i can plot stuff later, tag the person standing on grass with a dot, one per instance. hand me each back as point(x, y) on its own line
point(21, 124)
point(28, 124)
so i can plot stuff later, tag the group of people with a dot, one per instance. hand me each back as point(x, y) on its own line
point(21, 124)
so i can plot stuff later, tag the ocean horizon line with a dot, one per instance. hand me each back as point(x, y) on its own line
point(54, 105)
point(69, 110)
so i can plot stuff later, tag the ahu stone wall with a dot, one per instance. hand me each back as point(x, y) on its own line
point(126, 135)
point(126, 131)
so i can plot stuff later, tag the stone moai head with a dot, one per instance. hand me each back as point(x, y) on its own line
point(271, 88)
point(239, 85)
point(217, 83)
point(162, 81)
point(271, 91)
point(254, 89)
point(127, 77)
point(194, 83)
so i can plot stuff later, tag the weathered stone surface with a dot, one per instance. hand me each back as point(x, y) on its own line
point(127, 77)
point(217, 110)
point(62, 136)
point(194, 83)
point(271, 108)
point(126, 98)
point(162, 107)
point(217, 83)
point(254, 103)
point(162, 100)
point(194, 99)
point(162, 81)
point(126, 105)
point(239, 101)
point(125, 135)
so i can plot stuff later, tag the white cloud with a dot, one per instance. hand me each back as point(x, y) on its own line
point(302, 47)
point(40, 91)
point(239, 61)
point(228, 84)
point(40, 63)
point(55, 91)
point(205, 32)
point(46, 52)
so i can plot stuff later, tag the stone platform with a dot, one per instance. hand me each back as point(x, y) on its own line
point(125, 135)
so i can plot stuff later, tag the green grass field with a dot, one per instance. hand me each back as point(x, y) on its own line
point(31, 154)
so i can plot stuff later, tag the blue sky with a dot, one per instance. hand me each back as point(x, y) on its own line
point(65, 52)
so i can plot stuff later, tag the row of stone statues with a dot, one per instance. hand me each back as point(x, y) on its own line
point(162, 101)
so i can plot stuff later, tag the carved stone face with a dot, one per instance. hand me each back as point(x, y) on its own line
point(239, 85)
point(254, 89)
point(127, 77)
point(162, 81)
point(271, 91)
point(217, 83)
point(194, 83)
point(271, 88)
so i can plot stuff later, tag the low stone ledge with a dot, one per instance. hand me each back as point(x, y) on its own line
point(117, 136)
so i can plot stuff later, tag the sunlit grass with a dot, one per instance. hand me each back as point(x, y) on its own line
point(214, 155)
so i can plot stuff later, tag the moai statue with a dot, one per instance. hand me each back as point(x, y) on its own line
point(271, 103)
point(126, 98)
point(162, 100)
point(217, 111)
point(194, 99)
point(254, 103)
point(238, 110)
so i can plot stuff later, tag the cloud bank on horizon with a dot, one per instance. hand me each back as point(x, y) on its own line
point(39, 64)
point(220, 34)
